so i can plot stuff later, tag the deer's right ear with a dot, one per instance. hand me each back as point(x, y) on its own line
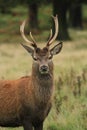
point(30, 50)
point(56, 49)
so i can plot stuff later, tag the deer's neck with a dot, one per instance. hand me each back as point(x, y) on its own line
point(43, 84)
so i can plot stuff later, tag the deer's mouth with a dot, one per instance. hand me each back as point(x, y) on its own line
point(44, 72)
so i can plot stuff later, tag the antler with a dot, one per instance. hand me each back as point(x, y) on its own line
point(52, 38)
point(33, 42)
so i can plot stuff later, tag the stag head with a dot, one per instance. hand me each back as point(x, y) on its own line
point(43, 56)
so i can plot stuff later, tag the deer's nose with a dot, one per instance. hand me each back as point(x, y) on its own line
point(44, 69)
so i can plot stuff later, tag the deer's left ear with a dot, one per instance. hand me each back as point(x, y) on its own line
point(30, 50)
point(56, 49)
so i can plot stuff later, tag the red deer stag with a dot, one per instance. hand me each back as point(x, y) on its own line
point(27, 101)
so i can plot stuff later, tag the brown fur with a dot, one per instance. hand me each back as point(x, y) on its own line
point(27, 101)
point(27, 97)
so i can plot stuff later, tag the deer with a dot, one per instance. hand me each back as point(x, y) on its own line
point(27, 101)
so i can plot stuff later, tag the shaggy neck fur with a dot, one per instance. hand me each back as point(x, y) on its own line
point(43, 83)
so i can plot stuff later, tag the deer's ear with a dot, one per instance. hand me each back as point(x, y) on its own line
point(30, 50)
point(56, 49)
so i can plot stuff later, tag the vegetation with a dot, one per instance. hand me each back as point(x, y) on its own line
point(70, 103)
point(69, 110)
point(9, 23)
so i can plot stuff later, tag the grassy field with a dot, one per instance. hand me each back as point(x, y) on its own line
point(69, 110)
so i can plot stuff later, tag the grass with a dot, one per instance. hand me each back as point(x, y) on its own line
point(69, 110)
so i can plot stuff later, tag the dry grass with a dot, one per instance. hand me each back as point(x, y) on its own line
point(68, 111)
point(15, 61)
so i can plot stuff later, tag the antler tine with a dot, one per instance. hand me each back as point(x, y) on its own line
point(32, 43)
point(56, 29)
point(50, 36)
point(50, 41)
point(22, 32)
point(32, 38)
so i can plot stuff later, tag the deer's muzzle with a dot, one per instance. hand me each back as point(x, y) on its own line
point(44, 69)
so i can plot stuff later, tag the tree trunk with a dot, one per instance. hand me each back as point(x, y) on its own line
point(33, 16)
point(60, 8)
point(75, 16)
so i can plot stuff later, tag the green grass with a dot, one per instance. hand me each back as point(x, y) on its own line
point(10, 23)
point(84, 12)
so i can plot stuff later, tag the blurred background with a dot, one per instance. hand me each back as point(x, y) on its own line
point(69, 111)
point(72, 16)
